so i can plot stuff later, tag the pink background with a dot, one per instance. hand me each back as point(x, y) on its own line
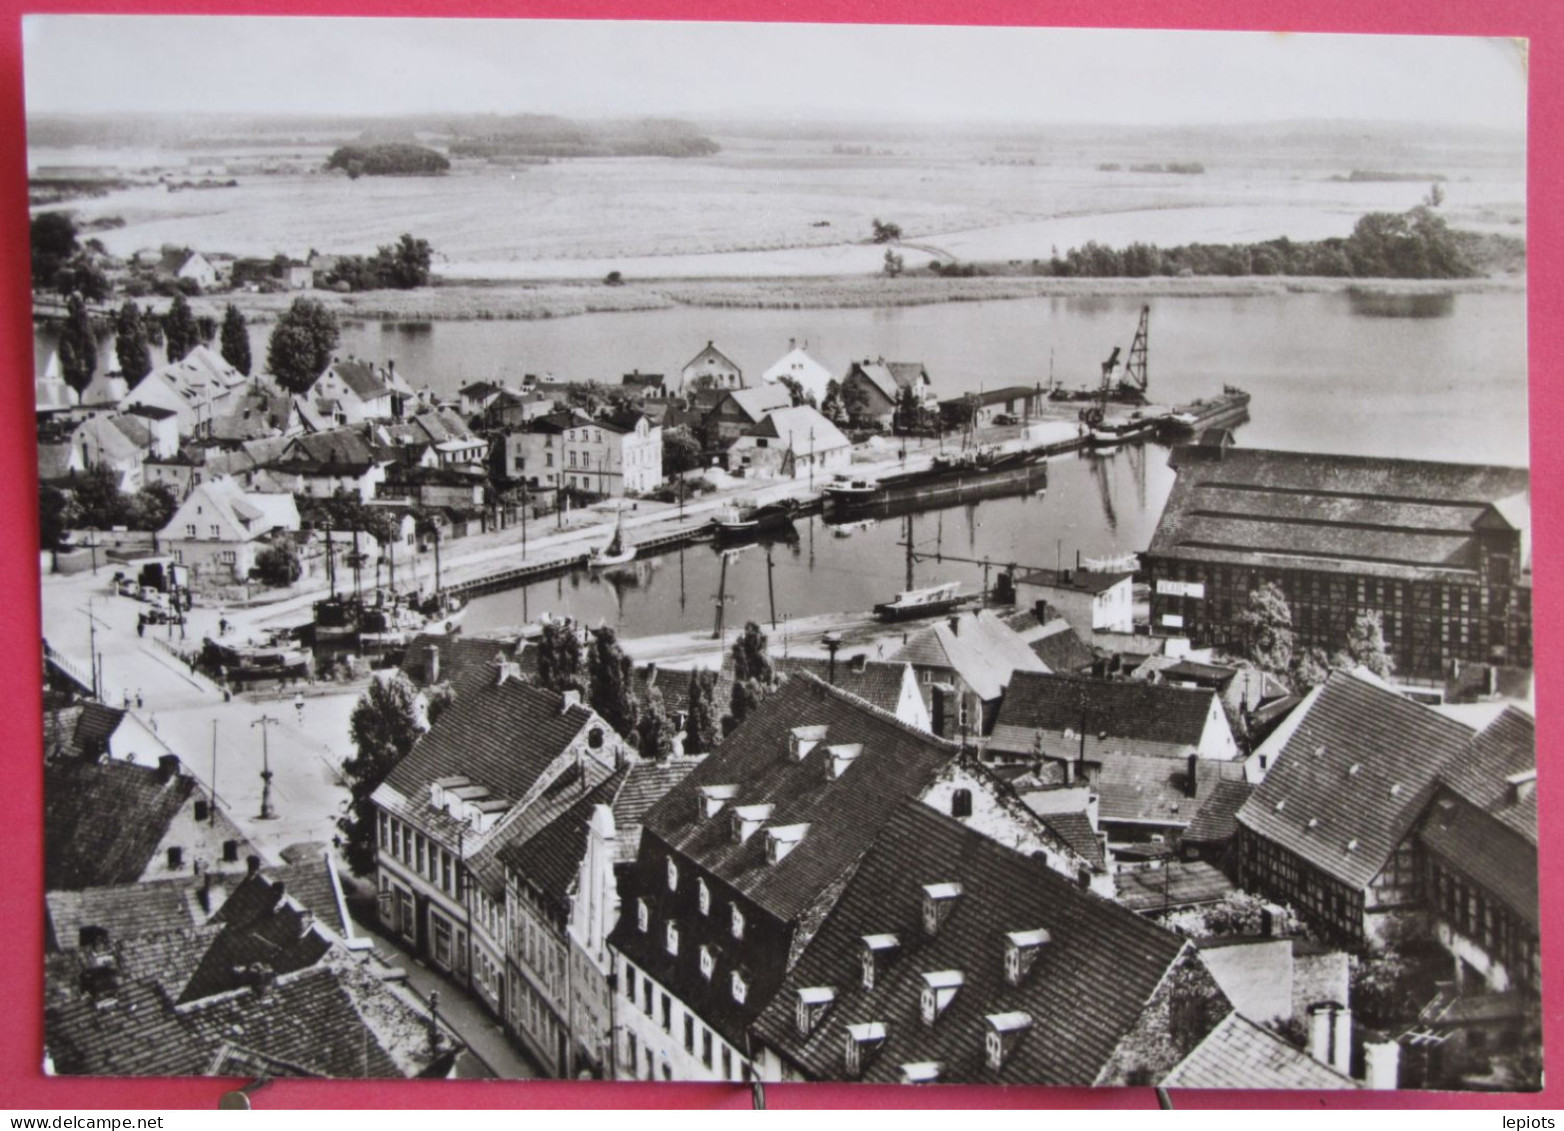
point(22, 1085)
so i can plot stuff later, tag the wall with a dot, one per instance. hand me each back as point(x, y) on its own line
point(669, 1058)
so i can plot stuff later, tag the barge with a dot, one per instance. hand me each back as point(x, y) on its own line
point(950, 479)
point(1231, 408)
point(741, 523)
point(932, 601)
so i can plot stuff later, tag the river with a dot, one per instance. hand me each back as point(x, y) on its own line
point(1323, 375)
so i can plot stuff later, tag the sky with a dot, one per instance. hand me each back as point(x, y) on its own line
point(284, 65)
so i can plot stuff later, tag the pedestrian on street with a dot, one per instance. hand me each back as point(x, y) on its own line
point(138, 698)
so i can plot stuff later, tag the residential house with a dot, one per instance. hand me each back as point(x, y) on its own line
point(645, 386)
point(299, 277)
point(890, 686)
point(1241, 1055)
point(710, 369)
point(562, 900)
point(964, 663)
point(1074, 719)
point(513, 410)
point(477, 396)
point(219, 529)
point(1442, 551)
point(110, 821)
point(1089, 600)
point(608, 456)
point(734, 413)
point(94, 731)
point(738, 864)
point(183, 264)
point(950, 958)
point(154, 430)
point(792, 443)
point(434, 658)
point(881, 385)
point(796, 365)
point(352, 391)
point(97, 442)
point(52, 396)
point(195, 388)
point(1331, 830)
point(1147, 803)
point(322, 464)
point(105, 392)
point(1052, 640)
point(495, 752)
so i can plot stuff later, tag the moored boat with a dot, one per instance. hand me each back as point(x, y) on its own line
point(931, 601)
point(618, 551)
point(741, 521)
point(950, 478)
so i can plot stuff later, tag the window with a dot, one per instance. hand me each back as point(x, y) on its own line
point(643, 916)
point(671, 937)
point(704, 895)
point(738, 922)
point(727, 1063)
point(549, 459)
point(739, 987)
point(689, 1033)
point(673, 875)
point(190, 530)
point(708, 963)
point(634, 1056)
point(667, 1007)
point(385, 831)
point(227, 557)
point(706, 1047)
point(646, 996)
point(630, 987)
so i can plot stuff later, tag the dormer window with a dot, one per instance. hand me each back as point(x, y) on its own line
point(737, 918)
point(1021, 951)
point(703, 894)
point(939, 900)
point(643, 916)
point(801, 740)
point(708, 963)
point(711, 798)
point(879, 951)
point(921, 1072)
point(812, 1003)
point(673, 875)
point(860, 1043)
point(1002, 1035)
point(939, 990)
point(747, 820)
point(671, 937)
point(840, 757)
point(782, 839)
point(738, 987)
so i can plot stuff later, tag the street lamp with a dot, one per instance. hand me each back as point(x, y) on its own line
point(267, 813)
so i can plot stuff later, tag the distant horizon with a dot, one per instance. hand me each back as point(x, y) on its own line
point(845, 73)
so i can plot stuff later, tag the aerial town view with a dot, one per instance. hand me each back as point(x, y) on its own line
point(948, 571)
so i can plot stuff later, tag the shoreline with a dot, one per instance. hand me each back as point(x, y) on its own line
point(482, 301)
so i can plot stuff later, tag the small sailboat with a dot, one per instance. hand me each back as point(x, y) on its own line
point(618, 551)
point(848, 529)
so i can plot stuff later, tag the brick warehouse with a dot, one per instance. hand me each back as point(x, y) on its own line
point(1441, 550)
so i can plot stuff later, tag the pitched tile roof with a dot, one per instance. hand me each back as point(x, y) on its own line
point(124, 911)
point(1150, 790)
point(1078, 580)
point(755, 403)
point(1178, 883)
point(1075, 829)
point(1063, 651)
point(801, 429)
point(1398, 748)
point(361, 377)
point(81, 730)
point(259, 926)
point(549, 862)
point(1085, 991)
point(1505, 747)
point(458, 654)
point(1126, 710)
point(1240, 1054)
point(875, 681)
point(499, 735)
point(104, 820)
point(644, 786)
point(710, 353)
point(1394, 518)
point(1216, 821)
point(984, 651)
point(1496, 858)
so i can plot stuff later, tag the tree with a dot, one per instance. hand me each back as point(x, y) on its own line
point(54, 517)
point(278, 566)
point(614, 279)
point(385, 723)
point(53, 238)
point(894, 263)
point(832, 405)
point(180, 333)
point(1365, 647)
point(78, 348)
point(796, 390)
point(100, 504)
point(235, 340)
point(1265, 629)
point(885, 232)
point(908, 416)
point(437, 700)
point(560, 666)
point(153, 506)
point(700, 725)
point(681, 450)
point(1436, 195)
point(403, 265)
point(130, 344)
point(612, 679)
point(855, 402)
point(301, 344)
point(654, 731)
point(1310, 668)
point(754, 677)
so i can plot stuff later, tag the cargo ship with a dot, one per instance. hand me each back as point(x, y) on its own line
point(1231, 408)
point(932, 601)
point(950, 479)
point(740, 523)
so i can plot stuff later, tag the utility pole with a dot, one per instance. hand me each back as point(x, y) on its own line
point(92, 650)
point(214, 773)
point(771, 591)
point(267, 813)
point(811, 460)
point(909, 550)
point(435, 527)
point(722, 600)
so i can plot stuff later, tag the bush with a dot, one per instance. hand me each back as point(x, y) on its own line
point(278, 567)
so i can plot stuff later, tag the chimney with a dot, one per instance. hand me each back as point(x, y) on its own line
point(432, 664)
point(278, 891)
point(167, 768)
point(955, 624)
point(1273, 921)
point(92, 937)
point(567, 699)
point(252, 865)
point(1191, 776)
point(1040, 611)
point(1382, 1065)
point(859, 663)
point(792, 344)
point(205, 893)
point(1330, 1035)
point(100, 980)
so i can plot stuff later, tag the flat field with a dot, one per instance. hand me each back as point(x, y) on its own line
point(791, 207)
